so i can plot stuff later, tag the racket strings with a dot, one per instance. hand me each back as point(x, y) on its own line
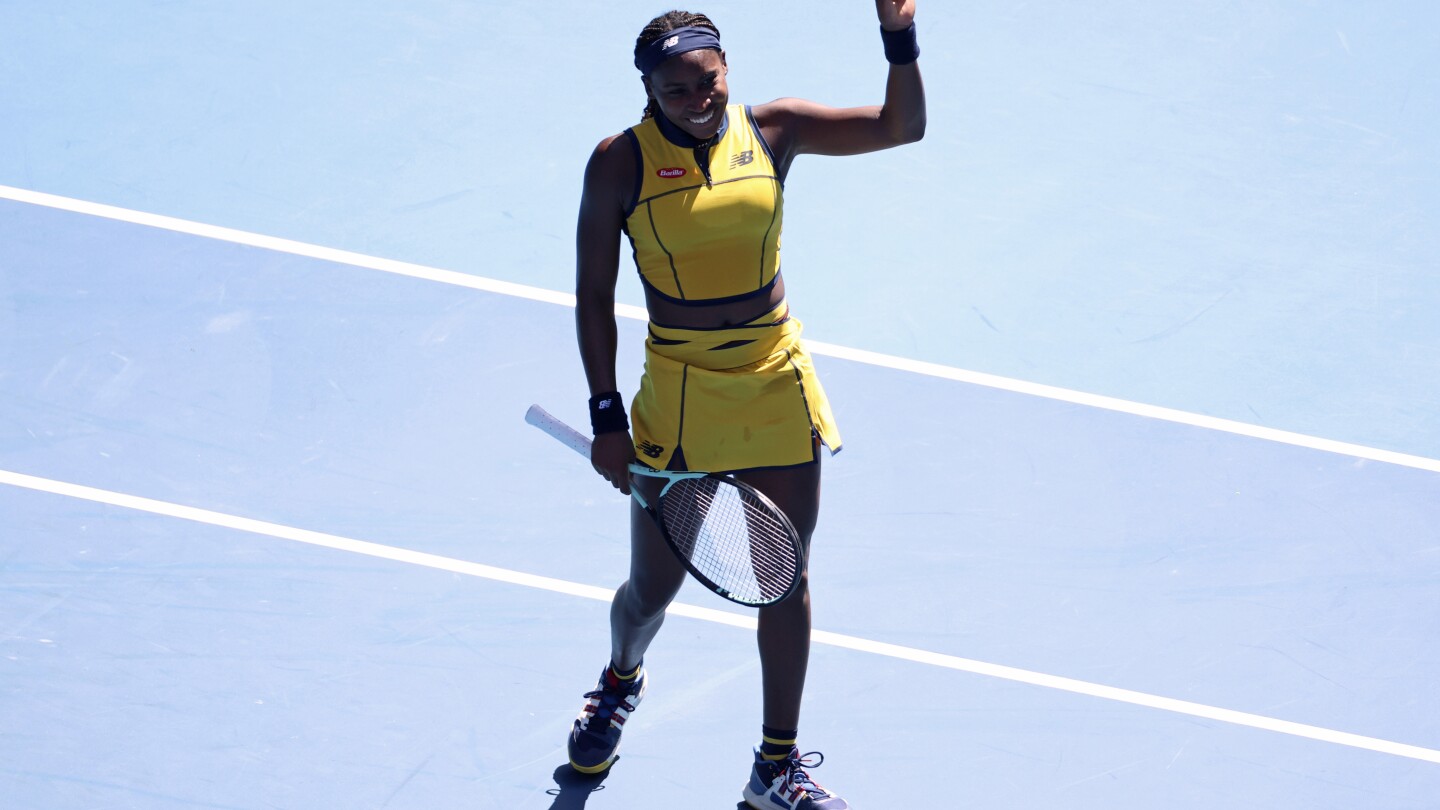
point(731, 537)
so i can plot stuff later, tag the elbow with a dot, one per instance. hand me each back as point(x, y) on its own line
point(915, 128)
point(593, 302)
point(911, 131)
point(901, 129)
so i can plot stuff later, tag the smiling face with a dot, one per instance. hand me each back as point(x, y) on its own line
point(690, 90)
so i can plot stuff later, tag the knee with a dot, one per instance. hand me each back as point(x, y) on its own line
point(645, 603)
point(797, 601)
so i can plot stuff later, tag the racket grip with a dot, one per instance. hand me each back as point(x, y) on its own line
point(561, 432)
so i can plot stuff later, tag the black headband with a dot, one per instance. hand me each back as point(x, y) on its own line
point(678, 41)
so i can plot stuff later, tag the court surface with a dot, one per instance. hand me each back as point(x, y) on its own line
point(1134, 357)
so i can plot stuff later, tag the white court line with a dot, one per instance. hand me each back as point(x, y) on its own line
point(638, 313)
point(881, 648)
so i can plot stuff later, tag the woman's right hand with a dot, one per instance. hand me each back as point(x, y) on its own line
point(895, 15)
point(611, 455)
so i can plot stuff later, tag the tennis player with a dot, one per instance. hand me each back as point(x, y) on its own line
point(696, 187)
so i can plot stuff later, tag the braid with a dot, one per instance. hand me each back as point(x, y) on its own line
point(659, 27)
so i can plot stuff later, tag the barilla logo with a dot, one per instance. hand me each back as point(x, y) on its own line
point(670, 173)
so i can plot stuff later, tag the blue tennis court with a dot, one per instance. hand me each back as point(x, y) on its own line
point(1133, 357)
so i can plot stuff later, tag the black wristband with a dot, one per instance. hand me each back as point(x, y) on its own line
point(607, 413)
point(901, 47)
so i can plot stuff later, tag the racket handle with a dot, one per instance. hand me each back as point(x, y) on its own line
point(573, 439)
point(561, 432)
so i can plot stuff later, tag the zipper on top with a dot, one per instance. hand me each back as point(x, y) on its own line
point(702, 159)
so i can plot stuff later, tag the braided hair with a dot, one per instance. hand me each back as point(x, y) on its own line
point(659, 27)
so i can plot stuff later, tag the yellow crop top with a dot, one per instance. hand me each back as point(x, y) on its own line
point(705, 222)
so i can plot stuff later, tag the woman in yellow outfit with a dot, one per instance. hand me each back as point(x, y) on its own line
point(697, 187)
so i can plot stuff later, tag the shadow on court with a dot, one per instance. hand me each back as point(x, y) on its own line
point(573, 789)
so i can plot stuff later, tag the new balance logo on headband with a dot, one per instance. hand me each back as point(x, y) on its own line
point(681, 40)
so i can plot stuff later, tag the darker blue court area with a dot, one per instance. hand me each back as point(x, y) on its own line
point(395, 592)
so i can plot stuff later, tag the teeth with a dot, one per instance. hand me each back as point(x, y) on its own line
point(704, 120)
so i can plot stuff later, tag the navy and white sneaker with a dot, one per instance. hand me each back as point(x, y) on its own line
point(595, 736)
point(784, 784)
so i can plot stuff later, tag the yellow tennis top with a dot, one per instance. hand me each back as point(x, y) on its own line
point(705, 222)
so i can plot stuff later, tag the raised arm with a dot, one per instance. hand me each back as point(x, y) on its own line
point(597, 264)
point(795, 126)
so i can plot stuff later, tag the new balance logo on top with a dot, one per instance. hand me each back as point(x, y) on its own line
point(670, 43)
point(743, 159)
point(650, 449)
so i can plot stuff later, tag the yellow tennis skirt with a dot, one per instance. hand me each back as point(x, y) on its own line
point(731, 399)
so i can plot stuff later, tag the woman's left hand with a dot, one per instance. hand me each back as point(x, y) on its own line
point(895, 15)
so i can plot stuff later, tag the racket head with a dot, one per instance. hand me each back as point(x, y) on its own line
point(731, 537)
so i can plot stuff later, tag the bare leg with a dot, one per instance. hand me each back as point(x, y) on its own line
point(638, 609)
point(784, 635)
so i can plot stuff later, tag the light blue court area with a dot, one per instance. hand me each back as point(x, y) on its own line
point(273, 533)
point(1226, 208)
point(1054, 605)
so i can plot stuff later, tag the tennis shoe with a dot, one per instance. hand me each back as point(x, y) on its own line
point(595, 736)
point(785, 784)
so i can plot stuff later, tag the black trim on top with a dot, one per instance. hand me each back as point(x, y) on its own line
point(681, 189)
point(650, 214)
point(702, 159)
point(765, 240)
point(700, 302)
point(779, 197)
point(639, 171)
point(764, 144)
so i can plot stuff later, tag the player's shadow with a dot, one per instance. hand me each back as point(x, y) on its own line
point(572, 788)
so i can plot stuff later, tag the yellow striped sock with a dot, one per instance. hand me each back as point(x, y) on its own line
point(776, 744)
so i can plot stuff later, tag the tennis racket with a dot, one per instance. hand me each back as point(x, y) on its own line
point(729, 536)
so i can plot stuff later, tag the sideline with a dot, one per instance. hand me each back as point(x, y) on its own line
point(632, 312)
point(714, 616)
